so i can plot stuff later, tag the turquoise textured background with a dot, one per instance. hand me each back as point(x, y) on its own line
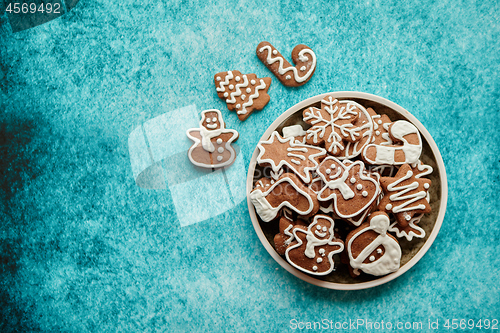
point(83, 249)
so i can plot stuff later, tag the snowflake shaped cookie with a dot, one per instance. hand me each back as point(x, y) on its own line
point(332, 124)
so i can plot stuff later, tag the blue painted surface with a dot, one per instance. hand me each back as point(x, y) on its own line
point(85, 249)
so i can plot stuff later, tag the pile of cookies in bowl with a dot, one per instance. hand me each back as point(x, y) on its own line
point(344, 189)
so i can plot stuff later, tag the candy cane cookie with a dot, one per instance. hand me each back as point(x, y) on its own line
point(291, 76)
point(394, 154)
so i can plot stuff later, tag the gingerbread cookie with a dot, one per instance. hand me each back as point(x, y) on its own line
point(312, 250)
point(381, 125)
point(212, 141)
point(396, 154)
point(242, 93)
point(269, 196)
point(409, 231)
point(364, 126)
point(278, 152)
point(350, 187)
point(292, 76)
point(371, 249)
point(332, 125)
point(285, 236)
point(405, 195)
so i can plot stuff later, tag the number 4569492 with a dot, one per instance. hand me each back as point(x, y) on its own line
point(32, 8)
point(471, 324)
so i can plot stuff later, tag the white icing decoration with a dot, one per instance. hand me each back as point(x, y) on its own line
point(424, 170)
point(264, 208)
point(275, 52)
point(238, 106)
point(352, 150)
point(426, 185)
point(243, 97)
point(328, 171)
point(401, 190)
point(359, 187)
point(255, 95)
point(313, 242)
point(385, 153)
point(412, 225)
point(288, 77)
point(389, 261)
point(293, 131)
point(219, 141)
point(222, 85)
point(388, 207)
point(220, 150)
point(287, 232)
point(219, 158)
point(352, 180)
point(231, 87)
point(372, 258)
point(253, 82)
point(315, 268)
point(237, 79)
point(379, 251)
point(319, 260)
point(218, 78)
point(206, 140)
point(249, 90)
point(377, 132)
point(226, 94)
point(365, 194)
point(295, 147)
point(303, 68)
point(298, 78)
point(237, 91)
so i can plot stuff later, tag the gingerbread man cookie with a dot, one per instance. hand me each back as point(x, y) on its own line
point(371, 249)
point(350, 187)
point(332, 125)
point(405, 195)
point(269, 196)
point(242, 93)
point(278, 152)
point(312, 250)
point(212, 141)
point(292, 76)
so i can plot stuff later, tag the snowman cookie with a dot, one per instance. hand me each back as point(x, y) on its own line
point(312, 250)
point(212, 141)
